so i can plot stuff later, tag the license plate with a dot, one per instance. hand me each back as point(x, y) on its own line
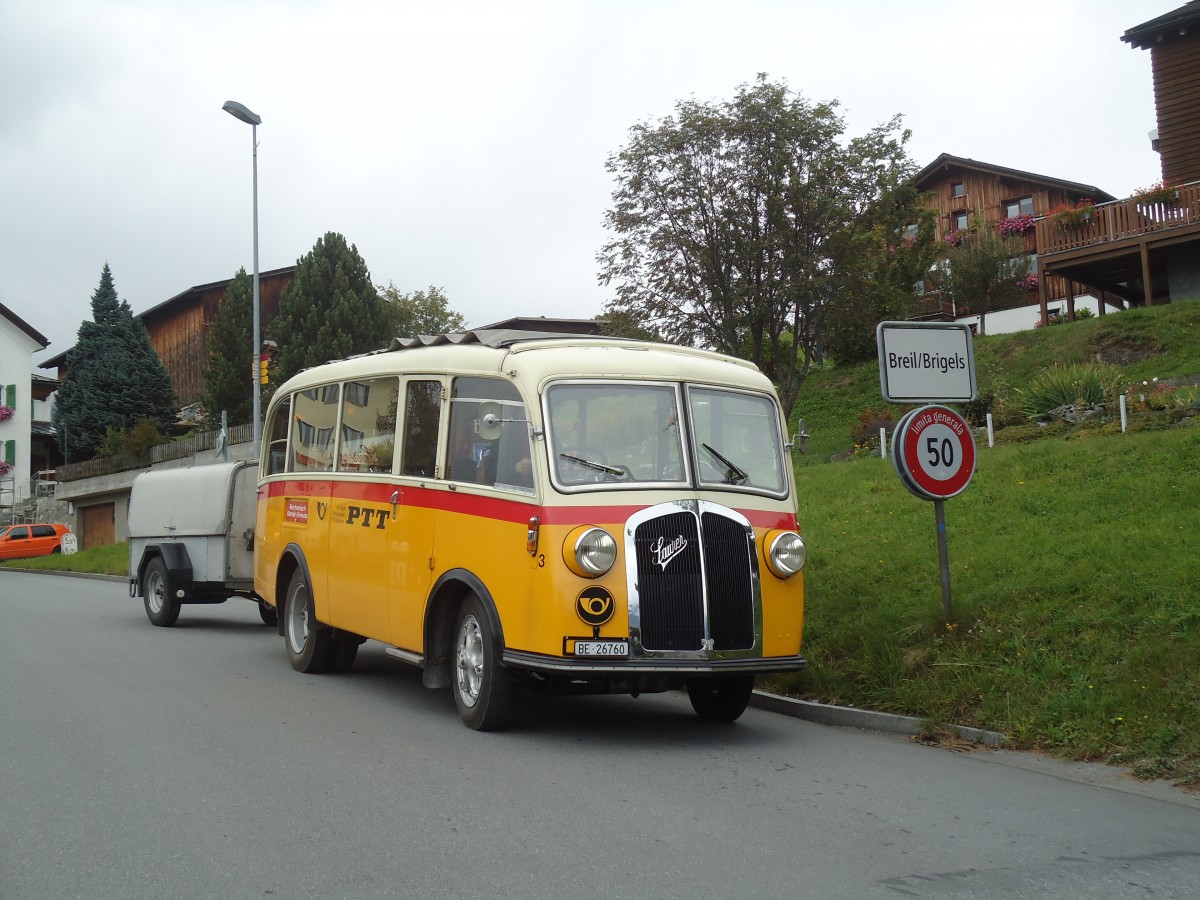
point(601, 648)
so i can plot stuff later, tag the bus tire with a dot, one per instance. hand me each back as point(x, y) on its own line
point(343, 648)
point(721, 699)
point(267, 613)
point(161, 608)
point(306, 639)
point(482, 688)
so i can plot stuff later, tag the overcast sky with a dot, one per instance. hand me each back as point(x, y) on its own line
point(462, 144)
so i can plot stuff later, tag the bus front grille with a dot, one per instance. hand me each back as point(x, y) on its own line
point(695, 580)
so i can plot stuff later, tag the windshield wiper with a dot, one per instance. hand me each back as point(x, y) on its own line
point(734, 475)
point(589, 464)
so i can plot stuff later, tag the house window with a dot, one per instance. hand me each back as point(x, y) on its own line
point(958, 189)
point(1022, 206)
point(960, 220)
point(911, 231)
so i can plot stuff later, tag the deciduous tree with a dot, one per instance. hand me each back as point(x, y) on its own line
point(420, 312)
point(736, 224)
point(982, 273)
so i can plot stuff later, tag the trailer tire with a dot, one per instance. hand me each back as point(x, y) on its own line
point(162, 609)
point(306, 639)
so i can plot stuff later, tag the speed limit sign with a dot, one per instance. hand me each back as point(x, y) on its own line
point(934, 452)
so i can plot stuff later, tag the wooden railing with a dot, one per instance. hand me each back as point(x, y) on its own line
point(1121, 219)
point(108, 465)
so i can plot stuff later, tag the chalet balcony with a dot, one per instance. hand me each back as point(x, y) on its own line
point(1121, 248)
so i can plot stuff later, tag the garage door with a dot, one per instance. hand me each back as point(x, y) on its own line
point(99, 526)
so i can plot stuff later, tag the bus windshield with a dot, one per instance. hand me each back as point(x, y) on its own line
point(614, 434)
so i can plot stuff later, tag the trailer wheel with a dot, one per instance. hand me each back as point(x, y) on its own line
point(720, 699)
point(267, 613)
point(161, 608)
point(307, 640)
point(482, 687)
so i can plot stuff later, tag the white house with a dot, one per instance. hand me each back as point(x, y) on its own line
point(18, 342)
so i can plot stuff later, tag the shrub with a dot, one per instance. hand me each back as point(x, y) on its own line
point(1084, 386)
point(976, 411)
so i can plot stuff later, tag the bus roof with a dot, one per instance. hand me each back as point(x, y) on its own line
point(534, 357)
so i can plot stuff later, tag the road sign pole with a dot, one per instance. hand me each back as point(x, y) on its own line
point(939, 514)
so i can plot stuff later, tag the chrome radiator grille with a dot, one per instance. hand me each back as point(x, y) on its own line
point(695, 577)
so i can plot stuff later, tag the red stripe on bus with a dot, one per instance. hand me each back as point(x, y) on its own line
point(488, 507)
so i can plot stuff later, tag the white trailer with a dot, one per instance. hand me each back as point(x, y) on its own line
point(191, 538)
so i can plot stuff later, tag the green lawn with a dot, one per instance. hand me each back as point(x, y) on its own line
point(1073, 558)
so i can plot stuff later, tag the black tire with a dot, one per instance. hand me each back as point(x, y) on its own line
point(721, 699)
point(267, 613)
point(162, 609)
point(306, 639)
point(482, 688)
point(343, 648)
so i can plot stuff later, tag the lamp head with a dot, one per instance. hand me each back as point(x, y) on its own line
point(238, 111)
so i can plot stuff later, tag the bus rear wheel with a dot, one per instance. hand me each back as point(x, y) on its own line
point(482, 687)
point(307, 639)
point(721, 699)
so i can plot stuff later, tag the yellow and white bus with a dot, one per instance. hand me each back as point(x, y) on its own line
point(562, 513)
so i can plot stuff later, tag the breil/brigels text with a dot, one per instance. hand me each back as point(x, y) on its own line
point(919, 360)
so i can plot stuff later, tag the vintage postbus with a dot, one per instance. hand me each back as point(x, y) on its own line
point(562, 513)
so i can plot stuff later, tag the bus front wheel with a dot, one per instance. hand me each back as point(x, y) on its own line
point(307, 639)
point(721, 699)
point(482, 687)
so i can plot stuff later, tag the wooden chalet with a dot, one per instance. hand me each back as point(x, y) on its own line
point(178, 330)
point(965, 191)
point(1145, 249)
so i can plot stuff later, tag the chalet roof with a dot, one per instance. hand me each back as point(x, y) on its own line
point(946, 162)
point(56, 361)
point(24, 326)
point(1176, 23)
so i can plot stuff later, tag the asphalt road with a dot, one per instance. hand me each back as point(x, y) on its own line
point(193, 762)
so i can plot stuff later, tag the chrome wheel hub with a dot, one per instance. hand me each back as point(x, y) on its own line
point(468, 661)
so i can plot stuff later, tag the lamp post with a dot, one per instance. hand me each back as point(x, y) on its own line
point(238, 111)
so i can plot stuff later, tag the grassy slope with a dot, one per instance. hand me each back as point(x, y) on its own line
point(1073, 565)
point(111, 559)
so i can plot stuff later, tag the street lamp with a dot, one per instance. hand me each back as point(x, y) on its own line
point(238, 111)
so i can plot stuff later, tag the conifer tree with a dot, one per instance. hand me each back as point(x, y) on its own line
point(227, 377)
point(330, 310)
point(114, 378)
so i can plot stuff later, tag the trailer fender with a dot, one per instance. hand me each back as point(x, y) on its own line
point(178, 565)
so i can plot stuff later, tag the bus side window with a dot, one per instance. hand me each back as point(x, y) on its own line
point(422, 411)
point(277, 433)
point(369, 425)
point(315, 413)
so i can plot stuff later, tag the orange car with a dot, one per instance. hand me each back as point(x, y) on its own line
point(20, 541)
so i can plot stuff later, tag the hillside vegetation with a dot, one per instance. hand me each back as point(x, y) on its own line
point(1073, 558)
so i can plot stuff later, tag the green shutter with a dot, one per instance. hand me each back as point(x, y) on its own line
point(10, 452)
point(10, 398)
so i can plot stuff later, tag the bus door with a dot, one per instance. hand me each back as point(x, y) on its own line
point(360, 512)
point(412, 505)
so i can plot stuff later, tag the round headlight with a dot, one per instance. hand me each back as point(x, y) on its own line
point(786, 553)
point(589, 551)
